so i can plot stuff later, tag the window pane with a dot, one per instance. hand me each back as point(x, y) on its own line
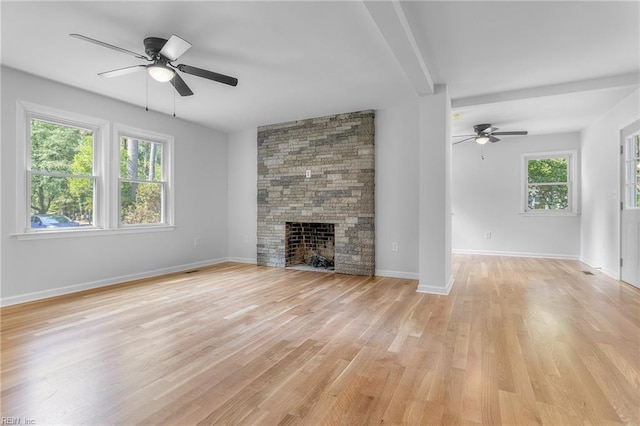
point(59, 148)
point(547, 170)
point(545, 197)
point(63, 197)
point(140, 160)
point(141, 203)
point(632, 172)
point(637, 187)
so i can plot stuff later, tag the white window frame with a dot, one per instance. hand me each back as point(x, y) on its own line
point(106, 174)
point(572, 183)
point(167, 142)
point(25, 113)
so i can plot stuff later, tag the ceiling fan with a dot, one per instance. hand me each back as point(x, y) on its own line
point(162, 53)
point(486, 133)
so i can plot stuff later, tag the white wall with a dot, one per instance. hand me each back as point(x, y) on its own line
point(397, 183)
point(397, 179)
point(32, 269)
point(600, 227)
point(242, 196)
point(487, 197)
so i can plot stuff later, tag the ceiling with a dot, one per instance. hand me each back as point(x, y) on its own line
point(542, 66)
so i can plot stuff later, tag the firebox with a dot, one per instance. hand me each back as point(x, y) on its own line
point(310, 245)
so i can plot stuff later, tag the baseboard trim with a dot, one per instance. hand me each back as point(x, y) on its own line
point(613, 274)
point(61, 291)
point(517, 254)
point(397, 274)
point(251, 260)
point(429, 289)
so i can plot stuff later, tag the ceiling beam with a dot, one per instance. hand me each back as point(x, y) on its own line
point(394, 27)
point(610, 82)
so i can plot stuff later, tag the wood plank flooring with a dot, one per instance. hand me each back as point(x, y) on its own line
point(518, 341)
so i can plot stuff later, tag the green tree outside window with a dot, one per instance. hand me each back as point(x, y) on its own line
point(548, 183)
point(61, 170)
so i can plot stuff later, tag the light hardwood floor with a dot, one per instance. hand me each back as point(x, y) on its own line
point(518, 341)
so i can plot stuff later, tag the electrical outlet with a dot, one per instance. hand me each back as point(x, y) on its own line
point(394, 246)
point(195, 241)
point(308, 174)
point(487, 235)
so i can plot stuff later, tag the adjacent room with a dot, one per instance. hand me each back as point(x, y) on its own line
point(310, 212)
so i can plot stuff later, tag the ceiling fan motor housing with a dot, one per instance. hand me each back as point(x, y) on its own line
point(153, 46)
point(480, 128)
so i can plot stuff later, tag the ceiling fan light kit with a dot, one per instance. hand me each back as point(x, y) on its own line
point(162, 52)
point(160, 72)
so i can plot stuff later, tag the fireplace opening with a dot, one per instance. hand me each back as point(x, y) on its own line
point(310, 246)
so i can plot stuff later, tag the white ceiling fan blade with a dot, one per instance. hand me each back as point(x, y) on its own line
point(122, 71)
point(463, 140)
point(174, 48)
point(109, 46)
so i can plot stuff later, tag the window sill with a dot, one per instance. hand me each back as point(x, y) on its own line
point(548, 213)
point(90, 232)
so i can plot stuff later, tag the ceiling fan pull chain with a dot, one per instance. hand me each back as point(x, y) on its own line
point(174, 103)
point(481, 152)
point(146, 106)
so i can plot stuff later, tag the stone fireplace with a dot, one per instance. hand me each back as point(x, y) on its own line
point(310, 244)
point(318, 171)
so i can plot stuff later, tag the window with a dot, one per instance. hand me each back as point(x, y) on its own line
point(61, 176)
point(548, 185)
point(632, 172)
point(73, 178)
point(144, 178)
point(142, 181)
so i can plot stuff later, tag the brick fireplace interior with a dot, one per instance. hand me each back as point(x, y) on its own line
point(318, 171)
point(310, 244)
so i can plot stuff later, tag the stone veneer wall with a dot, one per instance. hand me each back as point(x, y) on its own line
point(339, 152)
